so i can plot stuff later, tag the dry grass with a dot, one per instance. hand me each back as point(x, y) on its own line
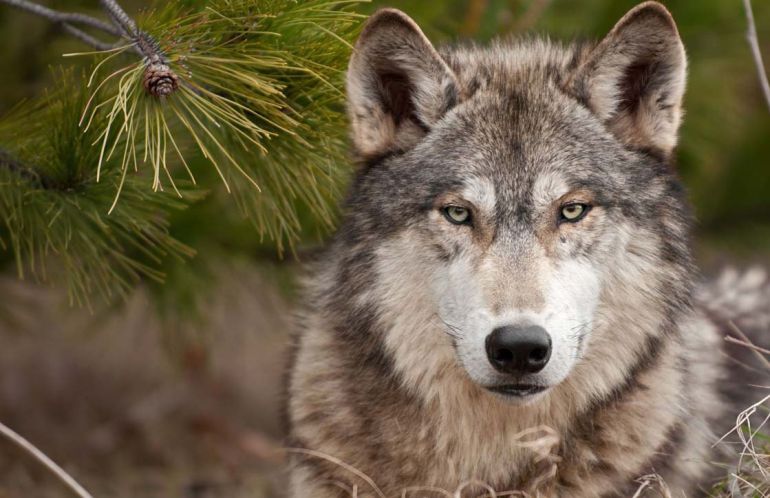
point(750, 476)
point(129, 413)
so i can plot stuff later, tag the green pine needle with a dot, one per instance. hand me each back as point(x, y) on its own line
point(53, 211)
point(259, 96)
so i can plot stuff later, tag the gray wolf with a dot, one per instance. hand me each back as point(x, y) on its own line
point(515, 255)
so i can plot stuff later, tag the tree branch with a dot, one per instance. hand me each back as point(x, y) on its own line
point(122, 26)
point(120, 18)
point(751, 36)
point(145, 44)
point(64, 17)
point(67, 21)
point(86, 38)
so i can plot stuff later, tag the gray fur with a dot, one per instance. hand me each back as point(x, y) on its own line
point(389, 373)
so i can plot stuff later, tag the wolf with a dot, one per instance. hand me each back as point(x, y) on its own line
point(510, 302)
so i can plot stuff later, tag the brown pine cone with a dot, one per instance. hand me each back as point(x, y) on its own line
point(160, 80)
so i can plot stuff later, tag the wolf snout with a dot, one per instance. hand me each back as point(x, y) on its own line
point(519, 349)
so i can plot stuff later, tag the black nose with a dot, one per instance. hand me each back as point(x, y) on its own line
point(515, 349)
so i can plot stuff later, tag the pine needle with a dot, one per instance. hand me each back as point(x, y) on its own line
point(257, 93)
point(54, 212)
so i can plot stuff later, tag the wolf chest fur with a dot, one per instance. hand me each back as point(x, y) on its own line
point(510, 298)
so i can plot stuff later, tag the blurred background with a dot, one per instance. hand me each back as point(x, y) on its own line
point(175, 390)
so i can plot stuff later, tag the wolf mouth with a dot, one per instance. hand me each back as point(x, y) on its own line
point(518, 390)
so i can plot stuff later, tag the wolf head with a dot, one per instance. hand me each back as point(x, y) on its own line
point(515, 216)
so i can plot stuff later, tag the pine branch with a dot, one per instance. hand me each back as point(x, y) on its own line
point(85, 37)
point(751, 36)
point(68, 20)
point(53, 211)
point(120, 18)
point(145, 44)
point(254, 88)
point(63, 17)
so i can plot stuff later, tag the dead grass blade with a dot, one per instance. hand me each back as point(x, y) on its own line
point(41, 457)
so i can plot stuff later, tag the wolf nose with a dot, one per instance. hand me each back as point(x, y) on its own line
point(517, 349)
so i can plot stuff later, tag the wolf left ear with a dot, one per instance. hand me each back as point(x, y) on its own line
point(398, 85)
point(634, 80)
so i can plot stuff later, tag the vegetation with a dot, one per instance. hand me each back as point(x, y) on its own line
point(195, 100)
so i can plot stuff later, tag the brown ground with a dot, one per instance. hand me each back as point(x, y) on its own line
point(128, 411)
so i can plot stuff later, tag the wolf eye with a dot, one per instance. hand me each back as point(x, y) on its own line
point(457, 215)
point(573, 212)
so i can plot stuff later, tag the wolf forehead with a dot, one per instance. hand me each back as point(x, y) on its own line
point(514, 66)
point(508, 104)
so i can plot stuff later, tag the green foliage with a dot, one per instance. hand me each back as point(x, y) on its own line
point(94, 171)
point(53, 210)
point(259, 95)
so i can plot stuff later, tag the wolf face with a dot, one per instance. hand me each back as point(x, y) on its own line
point(509, 197)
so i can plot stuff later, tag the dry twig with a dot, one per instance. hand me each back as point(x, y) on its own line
point(751, 35)
point(43, 458)
point(68, 21)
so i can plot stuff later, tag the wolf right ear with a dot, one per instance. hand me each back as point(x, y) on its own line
point(634, 80)
point(398, 85)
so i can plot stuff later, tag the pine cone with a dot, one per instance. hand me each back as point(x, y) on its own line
point(160, 80)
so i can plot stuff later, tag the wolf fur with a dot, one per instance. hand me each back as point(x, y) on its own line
point(390, 374)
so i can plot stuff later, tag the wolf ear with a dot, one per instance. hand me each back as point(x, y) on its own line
point(634, 80)
point(398, 85)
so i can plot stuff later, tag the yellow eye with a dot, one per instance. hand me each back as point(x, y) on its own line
point(457, 215)
point(573, 212)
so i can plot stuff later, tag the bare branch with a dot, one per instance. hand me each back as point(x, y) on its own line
point(751, 35)
point(120, 18)
point(63, 17)
point(145, 45)
point(41, 457)
point(122, 26)
point(86, 38)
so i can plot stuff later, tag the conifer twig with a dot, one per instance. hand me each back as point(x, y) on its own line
point(85, 37)
point(751, 36)
point(120, 18)
point(41, 457)
point(144, 43)
point(222, 80)
point(63, 17)
point(67, 20)
point(122, 26)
